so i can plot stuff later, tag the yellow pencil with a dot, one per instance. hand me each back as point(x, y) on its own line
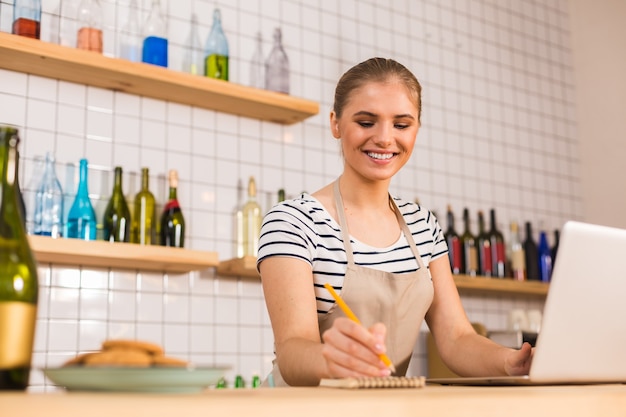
point(346, 310)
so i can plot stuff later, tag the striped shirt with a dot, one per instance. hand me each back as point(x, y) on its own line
point(302, 228)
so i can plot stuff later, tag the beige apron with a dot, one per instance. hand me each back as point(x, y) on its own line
point(400, 301)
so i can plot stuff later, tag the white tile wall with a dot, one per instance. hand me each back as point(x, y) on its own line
point(498, 131)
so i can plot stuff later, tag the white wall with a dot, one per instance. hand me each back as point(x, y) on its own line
point(599, 55)
point(499, 130)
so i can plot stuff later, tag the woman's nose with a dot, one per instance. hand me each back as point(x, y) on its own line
point(383, 136)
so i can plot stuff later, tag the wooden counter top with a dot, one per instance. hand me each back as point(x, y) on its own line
point(594, 400)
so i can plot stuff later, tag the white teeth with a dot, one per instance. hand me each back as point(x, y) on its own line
point(380, 155)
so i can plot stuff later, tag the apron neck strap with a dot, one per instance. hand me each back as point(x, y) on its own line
point(345, 234)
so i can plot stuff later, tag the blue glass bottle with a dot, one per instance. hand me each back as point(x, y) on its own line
point(155, 42)
point(48, 216)
point(81, 220)
point(216, 50)
point(545, 258)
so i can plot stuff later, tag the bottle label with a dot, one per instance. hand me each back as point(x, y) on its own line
point(17, 333)
point(471, 267)
point(518, 264)
point(456, 257)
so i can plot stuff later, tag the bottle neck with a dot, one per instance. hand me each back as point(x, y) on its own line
point(145, 180)
point(83, 189)
point(10, 222)
point(117, 187)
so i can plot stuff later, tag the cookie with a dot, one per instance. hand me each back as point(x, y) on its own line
point(119, 357)
point(168, 361)
point(129, 344)
point(79, 359)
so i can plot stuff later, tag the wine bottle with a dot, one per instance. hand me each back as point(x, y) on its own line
point(555, 247)
point(545, 258)
point(518, 260)
point(216, 50)
point(484, 248)
point(116, 220)
point(81, 220)
point(89, 35)
point(155, 43)
point(130, 42)
point(453, 240)
point(470, 247)
point(48, 216)
point(252, 218)
point(257, 67)
point(498, 252)
point(143, 229)
point(277, 66)
point(172, 220)
point(18, 275)
point(281, 195)
point(531, 255)
point(27, 18)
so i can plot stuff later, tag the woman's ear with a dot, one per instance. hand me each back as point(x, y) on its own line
point(334, 125)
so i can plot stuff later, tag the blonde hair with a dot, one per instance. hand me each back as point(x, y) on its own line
point(376, 70)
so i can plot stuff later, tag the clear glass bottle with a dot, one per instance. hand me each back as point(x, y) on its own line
point(143, 230)
point(20, 197)
point(257, 67)
point(48, 218)
point(172, 219)
point(277, 66)
point(116, 220)
point(67, 25)
point(251, 221)
point(518, 259)
point(89, 35)
point(130, 36)
point(18, 275)
point(81, 220)
point(192, 58)
point(155, 43)
point(216, 50)
point(27, 18)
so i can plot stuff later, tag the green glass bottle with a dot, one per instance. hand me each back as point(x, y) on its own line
point(116, 221)
point(216, 50)
point(143, 230)
point(172, 220)
point(18, 275)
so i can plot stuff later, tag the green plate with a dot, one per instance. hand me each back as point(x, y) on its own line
point(155, 379)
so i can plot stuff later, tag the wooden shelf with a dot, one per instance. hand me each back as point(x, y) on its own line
point(240, 267)
point(120, 255)
point(36, 57)
point(500, 286)
point(246, 267)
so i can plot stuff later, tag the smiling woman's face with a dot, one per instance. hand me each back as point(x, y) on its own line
point(377, 128)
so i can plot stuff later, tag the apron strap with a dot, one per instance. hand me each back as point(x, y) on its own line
point(345, 235)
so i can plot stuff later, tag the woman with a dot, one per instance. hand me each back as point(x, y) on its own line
point(386, 256)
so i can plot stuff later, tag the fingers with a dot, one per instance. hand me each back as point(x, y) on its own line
point(351, 350)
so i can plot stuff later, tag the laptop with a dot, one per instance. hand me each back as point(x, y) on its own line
point(583, 332)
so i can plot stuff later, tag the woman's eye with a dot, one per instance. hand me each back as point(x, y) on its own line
point(401, 126)
point(365, 124)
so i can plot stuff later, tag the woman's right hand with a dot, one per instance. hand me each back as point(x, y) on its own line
point(351, 350)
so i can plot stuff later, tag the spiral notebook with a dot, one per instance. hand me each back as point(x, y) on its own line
point(375, 382)
point(583, 336)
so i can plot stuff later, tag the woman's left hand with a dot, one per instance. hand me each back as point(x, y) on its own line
point(518, 361)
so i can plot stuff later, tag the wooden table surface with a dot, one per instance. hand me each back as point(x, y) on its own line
point(432, 400)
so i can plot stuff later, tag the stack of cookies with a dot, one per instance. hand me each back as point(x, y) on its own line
point(126, 352)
